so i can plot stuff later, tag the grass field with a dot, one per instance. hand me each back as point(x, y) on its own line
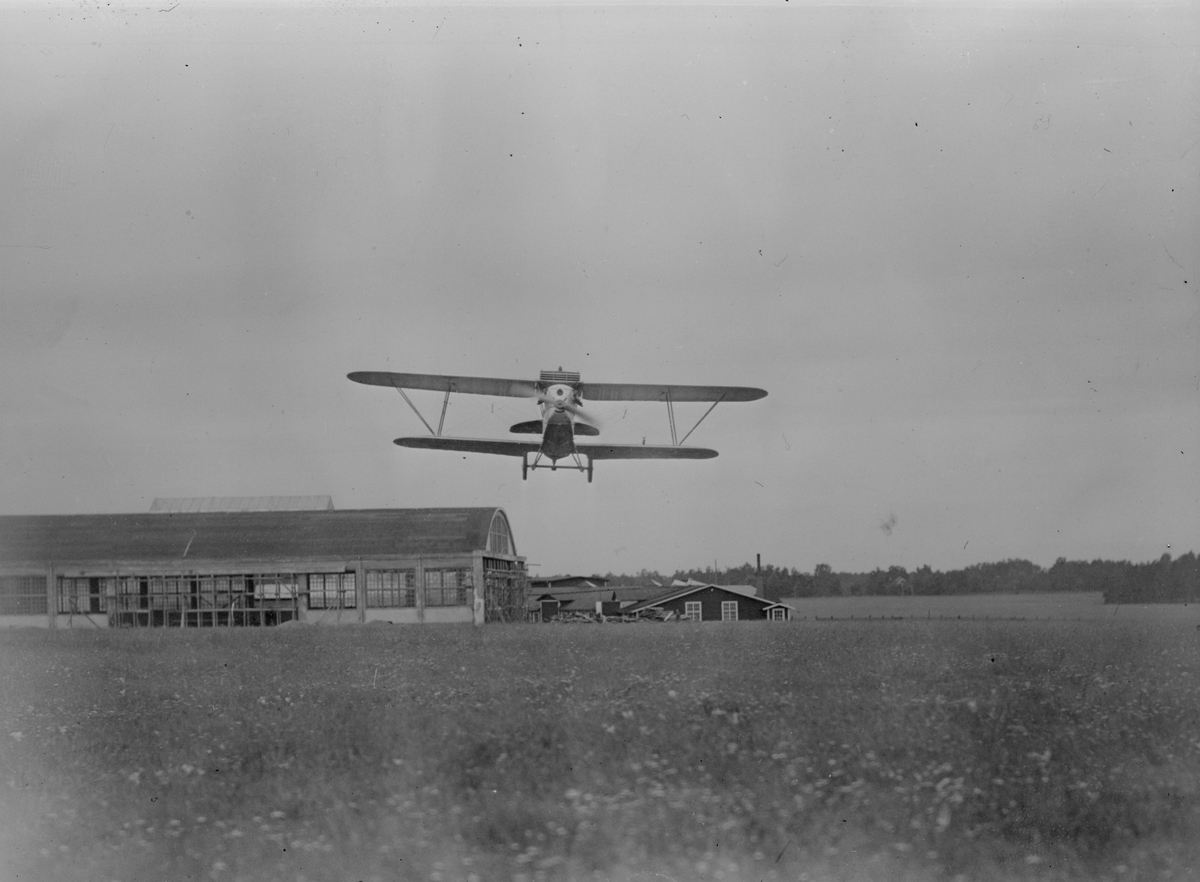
point(1067, 607)
point(908, 750)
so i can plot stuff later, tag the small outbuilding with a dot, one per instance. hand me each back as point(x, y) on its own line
point(195, 565)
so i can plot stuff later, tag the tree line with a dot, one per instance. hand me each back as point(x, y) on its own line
point(1165, 580)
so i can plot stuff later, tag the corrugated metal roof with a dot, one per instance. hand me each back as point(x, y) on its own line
point(569, 582)
point(229, 536)
point(163, 504)
point(586, 598)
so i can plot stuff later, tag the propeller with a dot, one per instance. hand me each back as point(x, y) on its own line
point(564, 397)
point(590, 416)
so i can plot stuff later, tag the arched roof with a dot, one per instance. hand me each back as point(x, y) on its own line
point(500, 537)
point(230, 536)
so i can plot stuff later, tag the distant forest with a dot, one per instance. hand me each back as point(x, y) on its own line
point(1161, 581)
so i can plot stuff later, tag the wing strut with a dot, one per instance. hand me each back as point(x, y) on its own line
point(418, 413)
point(699, 421)
point(671, 416)
point(445, 402)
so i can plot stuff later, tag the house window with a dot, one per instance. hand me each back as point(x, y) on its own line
point(331, 591)
point(778, 614)
point(391, 588)
point(22, 595)
point(728, 610)
point(691, 610)
point(448, 587)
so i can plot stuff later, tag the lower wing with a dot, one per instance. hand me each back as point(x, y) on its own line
point(644, 451)
point(472, 445)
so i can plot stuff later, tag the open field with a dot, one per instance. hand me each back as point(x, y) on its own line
point(1089, 606)
point(908, 750)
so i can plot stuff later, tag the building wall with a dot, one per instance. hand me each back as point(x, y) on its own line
point(457, 598)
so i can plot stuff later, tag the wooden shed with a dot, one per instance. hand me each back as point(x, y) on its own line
point(714, 603)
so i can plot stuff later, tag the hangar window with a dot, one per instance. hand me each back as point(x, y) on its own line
point(691, 611)
point(279, 587)
point(80, 596)
point(391, 588)
point(169, 592)
point(197, 601)
point(729, 611)
point(331, 591)
point(22, 595)
point(448, 587)
point(499, 537)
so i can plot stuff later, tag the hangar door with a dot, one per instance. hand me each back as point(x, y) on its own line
point(503, 590)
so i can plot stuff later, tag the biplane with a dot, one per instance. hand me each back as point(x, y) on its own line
point(560, 395)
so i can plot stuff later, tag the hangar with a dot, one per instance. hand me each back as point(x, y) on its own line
point(233, 563)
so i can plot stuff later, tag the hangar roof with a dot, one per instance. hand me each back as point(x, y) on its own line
point(241, 503)
point(229, 536)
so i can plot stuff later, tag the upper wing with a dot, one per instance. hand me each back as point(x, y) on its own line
point(442, 383)
point(526, 389)
point(472, 445)
point(643, 451)
point(660, 392)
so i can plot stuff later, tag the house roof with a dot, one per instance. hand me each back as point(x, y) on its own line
point(748, 590)
point(679, 592)
point(229, 536)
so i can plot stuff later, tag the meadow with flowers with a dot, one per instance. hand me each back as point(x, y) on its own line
point(905, 750)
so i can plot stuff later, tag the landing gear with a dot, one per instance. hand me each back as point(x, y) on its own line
point(576, 465)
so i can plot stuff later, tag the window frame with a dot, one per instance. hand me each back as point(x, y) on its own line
point(343, 594)
point(729, 610)
point(392, 589)
point(693, 611)
point(19, 597)
point(435, 591)
point(71, 601)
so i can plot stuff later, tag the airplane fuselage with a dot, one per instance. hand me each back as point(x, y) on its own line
point(558, 436)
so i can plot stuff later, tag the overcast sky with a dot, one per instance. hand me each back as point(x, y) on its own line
point(957, 245)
